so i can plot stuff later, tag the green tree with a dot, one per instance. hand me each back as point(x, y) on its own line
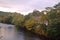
point(53, 29)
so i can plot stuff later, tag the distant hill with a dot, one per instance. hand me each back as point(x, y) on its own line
point(4, 13)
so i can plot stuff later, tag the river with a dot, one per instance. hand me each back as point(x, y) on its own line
point(9, 32)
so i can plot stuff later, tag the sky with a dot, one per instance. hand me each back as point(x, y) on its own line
point(25, 6)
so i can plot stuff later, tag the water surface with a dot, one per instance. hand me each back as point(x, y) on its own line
point(9, 32)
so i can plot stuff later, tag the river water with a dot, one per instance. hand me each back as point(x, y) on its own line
point(9, 32)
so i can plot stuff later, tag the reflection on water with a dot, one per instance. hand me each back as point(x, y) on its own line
point(7, 33)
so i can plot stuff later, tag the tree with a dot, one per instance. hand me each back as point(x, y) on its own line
point(18, 19)
point(9, 19)
point(57, 5)
point(53, 29)
point(29, 23)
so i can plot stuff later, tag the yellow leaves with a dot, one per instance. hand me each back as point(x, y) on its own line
point(37, 28)
point(17, 18)
point(28, 27)
point(29, 23)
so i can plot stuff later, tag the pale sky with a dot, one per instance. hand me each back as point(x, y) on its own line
point(25, 6)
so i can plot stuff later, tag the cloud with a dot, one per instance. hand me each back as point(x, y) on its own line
point(26, 6)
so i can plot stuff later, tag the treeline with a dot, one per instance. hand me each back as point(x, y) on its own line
point(46, 22)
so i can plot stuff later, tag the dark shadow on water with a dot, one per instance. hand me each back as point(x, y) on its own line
point(31, 35)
